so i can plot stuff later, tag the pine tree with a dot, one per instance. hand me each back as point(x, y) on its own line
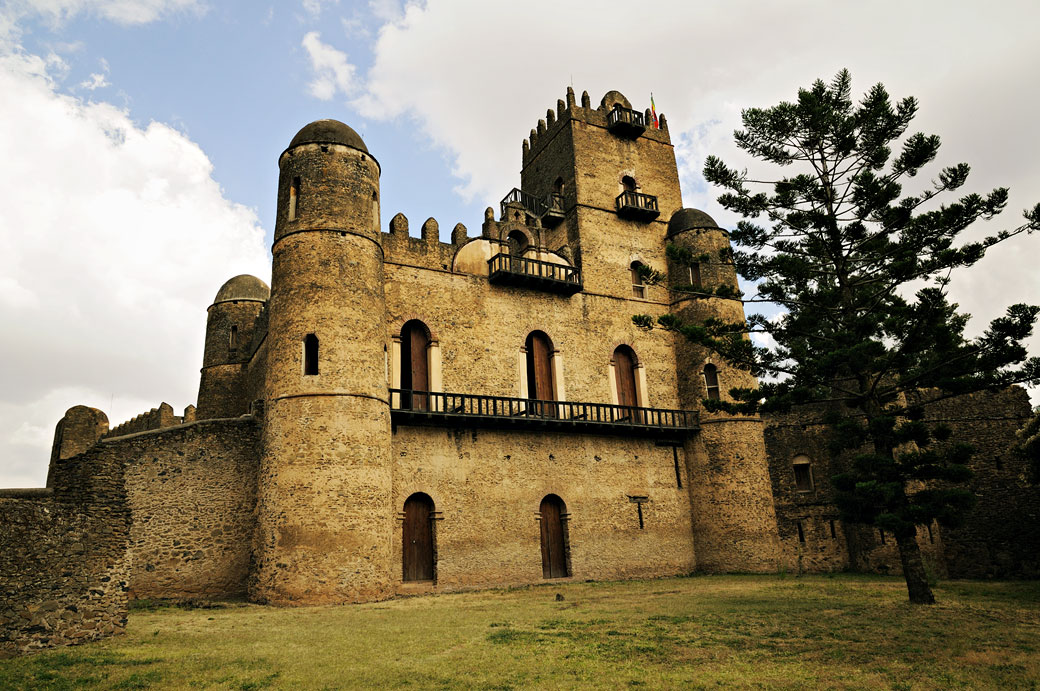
point(860, 268)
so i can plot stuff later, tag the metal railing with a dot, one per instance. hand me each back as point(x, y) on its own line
point(536, 268)
point(436, 407)
point(538, 206)
point(619, 115)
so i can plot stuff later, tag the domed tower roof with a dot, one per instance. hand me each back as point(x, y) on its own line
point(244, 287)
point(329, 132)
point(612, 98)
point(688, 219)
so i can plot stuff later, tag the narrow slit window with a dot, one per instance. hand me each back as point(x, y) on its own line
point(638, 286)
point(882, 534)
point(294, 197)
point(678, 474)
point(833, 534)
point(711, 382)
point(695, 275)
point(310, 354)
point(801, 532)
point(931, 535)
point(233, 338)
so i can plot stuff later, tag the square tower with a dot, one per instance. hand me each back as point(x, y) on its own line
point(613, 179)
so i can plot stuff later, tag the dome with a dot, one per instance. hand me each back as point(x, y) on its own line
point(687, 219)
point(329, 132)
point(244, 287)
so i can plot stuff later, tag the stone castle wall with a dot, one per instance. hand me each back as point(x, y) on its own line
point(64, 568)
point(191, 491)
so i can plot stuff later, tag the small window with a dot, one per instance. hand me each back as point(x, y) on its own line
point(711, 381)
point(803, 479)
point(294, 195)
point(695, 275)
point(881, 533)
point(801, 532)
point(931, 535)
point(233, 338)
point(629, 183)
point(638, 287)
point(310, 354)
point(834, 535)
point(558, 186)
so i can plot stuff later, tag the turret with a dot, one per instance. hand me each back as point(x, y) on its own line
point(324, 511)
point(734, 521)
point(223, 390)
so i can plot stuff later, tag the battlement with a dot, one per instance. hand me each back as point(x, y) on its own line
point(156, 418)
point(569, 109)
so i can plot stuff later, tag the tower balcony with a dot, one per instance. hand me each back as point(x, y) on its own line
point(501, 412)
point(626, 122)
point(637, 206)
point(549, 209)
point(508, 269)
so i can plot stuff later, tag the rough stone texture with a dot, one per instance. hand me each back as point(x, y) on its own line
point(192, 493)
point(63, 557)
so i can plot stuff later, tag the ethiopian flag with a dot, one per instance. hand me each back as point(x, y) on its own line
point(653, 111)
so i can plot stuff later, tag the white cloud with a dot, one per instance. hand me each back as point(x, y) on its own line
point(104, 264)
point(96, 81)
point(333, 73)
point(315, 7)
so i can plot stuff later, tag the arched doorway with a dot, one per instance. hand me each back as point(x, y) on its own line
point(415, 368)
point(417, 536)
point(625, 379)
point(554, 549)
point(539, 374)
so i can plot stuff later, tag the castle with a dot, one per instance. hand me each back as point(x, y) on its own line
point(402, 415)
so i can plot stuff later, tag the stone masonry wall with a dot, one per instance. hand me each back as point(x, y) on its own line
point(191, 490)
point(63, 557)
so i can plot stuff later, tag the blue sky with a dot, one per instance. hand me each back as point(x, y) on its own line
point(140, 141)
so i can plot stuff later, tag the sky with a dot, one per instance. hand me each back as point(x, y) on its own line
point(140, 139)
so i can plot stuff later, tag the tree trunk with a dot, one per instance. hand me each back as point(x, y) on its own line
point(913, 571)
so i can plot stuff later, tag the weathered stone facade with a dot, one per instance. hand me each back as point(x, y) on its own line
point(398, 414)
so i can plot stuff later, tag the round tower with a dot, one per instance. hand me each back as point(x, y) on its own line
point(324, 494)
point(230, 323)
point(734, 522)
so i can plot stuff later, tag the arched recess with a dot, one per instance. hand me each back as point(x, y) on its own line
point(554, 537)
point(540, 384)
point(803, 474)
point(628, 382)
point(711, 382)
point(415, 365)
point(638, 285)
point(518, 243)
point(417, 547)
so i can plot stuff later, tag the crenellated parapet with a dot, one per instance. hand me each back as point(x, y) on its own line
point(427, 250)
point(156, 418)
point(546, 129)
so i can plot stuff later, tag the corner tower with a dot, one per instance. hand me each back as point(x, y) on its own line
point(734, 520)
point(324, 512)
point(230, 326)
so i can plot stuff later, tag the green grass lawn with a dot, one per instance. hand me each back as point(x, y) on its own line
point(844, 631)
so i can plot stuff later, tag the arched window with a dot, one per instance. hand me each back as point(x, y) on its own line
point(539, 374)
point(803, 476)
point(625, 378)
point(554, 539)
point(517, 243)
point(294, 197)
point(711, 381)
point(233, 337)
point(629, 183)
point(415, 365)
point(638, 287)
point(310, 354)
point(558, 186)
point(417, 548)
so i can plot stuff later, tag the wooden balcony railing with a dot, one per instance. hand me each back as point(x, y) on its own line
point(548, 208)
point(507, 269)
point(439, 408)
point(636, 205)
point(626, 122)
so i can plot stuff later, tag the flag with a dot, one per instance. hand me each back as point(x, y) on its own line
point(653, 111)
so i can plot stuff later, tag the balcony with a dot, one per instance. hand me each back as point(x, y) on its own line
point(548, 209)
point(637, 206)
point(625, 122)
point(507, 269)
point(500, 412)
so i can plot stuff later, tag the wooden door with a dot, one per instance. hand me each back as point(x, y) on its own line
point(539, 374)
point(415, 374)
point(417, 549)
point(554, 558)
point(625, 377)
